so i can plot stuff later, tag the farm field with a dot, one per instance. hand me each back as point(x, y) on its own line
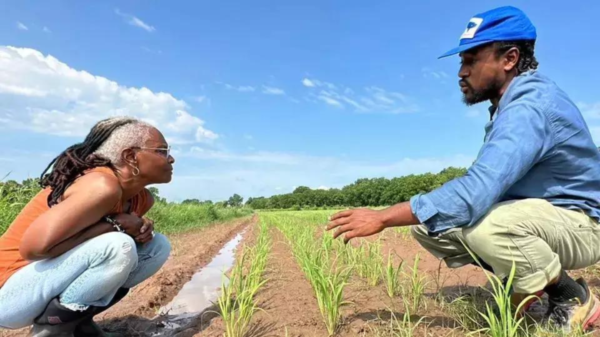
point(387, 285)
point(290, 278)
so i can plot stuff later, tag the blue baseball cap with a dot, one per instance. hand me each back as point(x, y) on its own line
point(499, 24)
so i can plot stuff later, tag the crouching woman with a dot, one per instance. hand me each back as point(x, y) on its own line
point(81, 243)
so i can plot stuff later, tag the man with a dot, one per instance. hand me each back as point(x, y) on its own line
point(532, 196)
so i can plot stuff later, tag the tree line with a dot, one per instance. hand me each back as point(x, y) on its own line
point(362, 193)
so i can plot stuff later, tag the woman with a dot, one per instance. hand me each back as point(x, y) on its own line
point(79, 245)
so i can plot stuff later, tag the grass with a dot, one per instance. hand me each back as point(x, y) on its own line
point(403, 232)
point(398, 325)
point(500, 316)
point(466, 312)
point(168, 217)
point(173, 218)
point(13, 197)
point(502, 320)
point(368, 261)
point(237, 302)
point(414, 288)
point(391, 277)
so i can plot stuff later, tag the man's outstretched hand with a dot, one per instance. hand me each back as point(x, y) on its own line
point(362, 222)
point(357, 223)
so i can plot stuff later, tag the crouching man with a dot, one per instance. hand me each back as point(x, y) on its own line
point(532, 197)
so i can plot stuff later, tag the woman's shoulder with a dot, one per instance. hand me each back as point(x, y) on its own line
point(101, 180)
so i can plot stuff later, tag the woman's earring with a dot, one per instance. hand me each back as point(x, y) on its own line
point(136, 170)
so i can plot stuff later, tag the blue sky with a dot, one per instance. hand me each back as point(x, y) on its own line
point(259, 97)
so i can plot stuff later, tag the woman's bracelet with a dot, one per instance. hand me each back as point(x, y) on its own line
point(114, 223)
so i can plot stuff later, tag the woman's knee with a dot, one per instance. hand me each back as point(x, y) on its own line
point(120, 249)
point(161, 247)
point(158, 249)
point(153, 256)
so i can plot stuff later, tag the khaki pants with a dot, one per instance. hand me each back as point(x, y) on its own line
point(540, 238)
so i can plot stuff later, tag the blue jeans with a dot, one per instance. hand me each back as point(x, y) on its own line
point(87, 275)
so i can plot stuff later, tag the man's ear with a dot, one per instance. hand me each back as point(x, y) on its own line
point(511, 59)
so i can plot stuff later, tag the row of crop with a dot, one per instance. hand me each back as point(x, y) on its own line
point(237, 303)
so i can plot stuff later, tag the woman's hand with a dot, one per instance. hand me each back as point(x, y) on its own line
point(146, 232)
point(131, 223)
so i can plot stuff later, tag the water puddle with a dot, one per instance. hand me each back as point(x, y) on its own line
point(205, 286)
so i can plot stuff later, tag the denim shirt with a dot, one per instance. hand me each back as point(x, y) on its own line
point(537, 146)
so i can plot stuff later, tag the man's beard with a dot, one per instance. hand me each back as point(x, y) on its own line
point(473, 97)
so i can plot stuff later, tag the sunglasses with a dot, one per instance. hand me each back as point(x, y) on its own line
point(161, 151)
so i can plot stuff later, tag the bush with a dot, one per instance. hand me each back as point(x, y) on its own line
point(173, 217)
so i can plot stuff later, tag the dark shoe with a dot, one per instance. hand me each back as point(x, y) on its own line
point(572, 315)
point(57, 321)
point(88, 328)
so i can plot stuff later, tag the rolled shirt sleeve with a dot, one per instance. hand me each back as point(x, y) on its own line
point(520, 137)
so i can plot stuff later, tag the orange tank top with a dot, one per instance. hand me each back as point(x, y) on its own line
point(10, 258)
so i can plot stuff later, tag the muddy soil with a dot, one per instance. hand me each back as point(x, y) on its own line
point(289, 307)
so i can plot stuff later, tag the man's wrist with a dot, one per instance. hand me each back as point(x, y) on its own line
point(398, 215)
point(387, 217)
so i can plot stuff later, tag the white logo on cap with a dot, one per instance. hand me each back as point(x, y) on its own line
point(472, 28)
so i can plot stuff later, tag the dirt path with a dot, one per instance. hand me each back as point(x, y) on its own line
point(287, 298)
point(191, 251)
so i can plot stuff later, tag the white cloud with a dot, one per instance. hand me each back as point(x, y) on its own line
point(308, 83)
point(8, 88)
point(47, 30)
point(258, 157)
point(199, 99)
point(372, 99)
point(430, 73)
point(21, 26)
point(311, 83)
point(135, 21)
point(590, 110)
point(595, 131)
point(272, 90)
point(205, 136)
point(241, 88)
point(41, 94)
point(248, 137)
point(325, 188)
point(330, 101)
point(246, 88)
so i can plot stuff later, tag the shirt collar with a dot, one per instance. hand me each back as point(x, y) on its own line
point(492, 110)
